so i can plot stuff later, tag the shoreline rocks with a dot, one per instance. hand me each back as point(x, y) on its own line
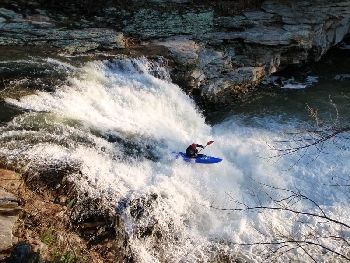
point(219, 51)
point(40, 225)
point(9, 214)
point(245, 49)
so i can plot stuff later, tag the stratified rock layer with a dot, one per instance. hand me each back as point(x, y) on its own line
point(241, 50)
point(41, 30)
point(220, 50)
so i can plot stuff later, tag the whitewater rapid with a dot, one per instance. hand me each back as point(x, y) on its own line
point(120, 120)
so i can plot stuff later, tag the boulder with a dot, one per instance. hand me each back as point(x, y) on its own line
point(9, 212)
point(23, 253)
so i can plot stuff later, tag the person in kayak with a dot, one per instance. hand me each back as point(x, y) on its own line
point(192, 151)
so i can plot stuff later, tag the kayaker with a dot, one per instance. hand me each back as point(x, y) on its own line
point(192, 151)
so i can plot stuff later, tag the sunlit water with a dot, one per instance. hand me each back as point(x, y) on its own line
point(134, 102)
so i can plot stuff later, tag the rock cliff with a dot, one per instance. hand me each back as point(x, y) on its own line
point(218, 50)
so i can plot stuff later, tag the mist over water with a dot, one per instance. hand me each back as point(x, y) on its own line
point(119, 121)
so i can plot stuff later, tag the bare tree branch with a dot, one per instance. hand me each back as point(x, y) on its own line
point(297, 242)
point(284, 209)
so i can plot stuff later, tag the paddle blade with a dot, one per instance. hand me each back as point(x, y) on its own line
point(210, 142)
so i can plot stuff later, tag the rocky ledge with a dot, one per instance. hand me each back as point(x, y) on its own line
point(239, 51)
point(9, 210)
point(40, 224)
point(219, 50)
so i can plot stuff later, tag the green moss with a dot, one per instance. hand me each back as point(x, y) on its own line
point(71, 202)
point(48, 237)
point(66, 257)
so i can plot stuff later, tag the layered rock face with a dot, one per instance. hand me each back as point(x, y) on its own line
point(237, 52)
point(218, 50)
point(39, 29)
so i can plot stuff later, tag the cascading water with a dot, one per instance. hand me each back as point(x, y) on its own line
point(119, 121)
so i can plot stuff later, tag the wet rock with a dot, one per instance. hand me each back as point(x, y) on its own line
point(23, 253)
point(139, 207)
point(97, 224)
point(52, 176)
point(93, 220)
point(342, 77)
point(10, 14)
point(9, 212)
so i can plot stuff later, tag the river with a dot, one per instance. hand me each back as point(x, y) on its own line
point(119, 120)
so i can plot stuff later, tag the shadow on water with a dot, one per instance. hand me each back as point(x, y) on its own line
point(134, 149)
point(8, 112)
point(328, 94)
point(24, 71)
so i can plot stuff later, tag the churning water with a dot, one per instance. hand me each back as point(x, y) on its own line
point(119, 121)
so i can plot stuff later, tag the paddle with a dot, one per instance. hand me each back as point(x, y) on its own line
point(208, 143)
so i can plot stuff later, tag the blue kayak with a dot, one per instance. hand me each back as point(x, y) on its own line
point(201, 158)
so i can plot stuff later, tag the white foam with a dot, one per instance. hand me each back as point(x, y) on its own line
point(344, 46)
point(61, 64)
point(124, 99)
point(342, 77)
point(292, 84)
